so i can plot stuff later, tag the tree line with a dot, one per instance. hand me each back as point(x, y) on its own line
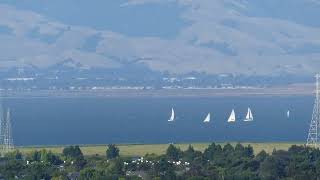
point(216, 162)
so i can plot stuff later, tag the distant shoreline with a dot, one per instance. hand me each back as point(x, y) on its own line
point(291, 90)
point(132, 150)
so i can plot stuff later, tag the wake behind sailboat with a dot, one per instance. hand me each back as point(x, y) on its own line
point(207, 119)
point(232, 117)
point(249, 116)
point(172, 116)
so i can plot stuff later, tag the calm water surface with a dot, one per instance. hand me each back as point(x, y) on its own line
point(144, 120)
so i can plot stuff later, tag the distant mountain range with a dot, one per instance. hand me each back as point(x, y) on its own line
point(249, 37)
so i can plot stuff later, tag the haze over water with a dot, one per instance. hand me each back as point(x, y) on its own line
point(52, 121)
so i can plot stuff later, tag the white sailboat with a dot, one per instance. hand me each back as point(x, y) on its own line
point(232, 117)
point(249, 116)
point(172, 116)
point(288, 114)
point(207, 119)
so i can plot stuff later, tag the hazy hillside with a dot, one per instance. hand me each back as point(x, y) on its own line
point(178, 36)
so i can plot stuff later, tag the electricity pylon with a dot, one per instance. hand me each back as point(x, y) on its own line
point(315, 121)
point(6, 133)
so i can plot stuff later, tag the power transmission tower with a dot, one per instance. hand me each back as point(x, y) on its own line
point(6, 133)
point(315, 121)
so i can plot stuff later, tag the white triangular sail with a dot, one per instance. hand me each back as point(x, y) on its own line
point(249, 116)
point(288, 114)
point(207, 119)
point(232, 117)
point(172, 115)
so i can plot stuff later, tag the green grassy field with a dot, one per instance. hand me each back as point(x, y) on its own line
point(142, 149)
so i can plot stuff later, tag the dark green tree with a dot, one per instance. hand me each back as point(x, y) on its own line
point(112, 151)
point(248, 151)
point(228, 149)
point(39, 170)
point(72, 152)
point(75, 156)
point(90, 173)
point(269, 168)
point(34, 156)
point(173, 153)
point(11, 169)
point(239, 148)
point(49, 157)
point(116, 167)
point(190, 154)
point(164, 169)
point(14, 155)
point(238, 151)
point(261, 156)
point(212, 152)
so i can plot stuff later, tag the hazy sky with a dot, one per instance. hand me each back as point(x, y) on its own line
point(214, 36)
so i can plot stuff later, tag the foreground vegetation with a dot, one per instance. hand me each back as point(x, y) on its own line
point(216, 161)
